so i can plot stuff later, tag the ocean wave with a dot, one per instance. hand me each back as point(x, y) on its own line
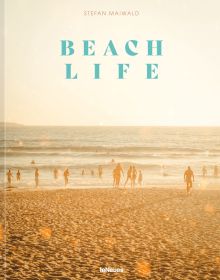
point(106, 149)
point(116, 153)
point(79, 166)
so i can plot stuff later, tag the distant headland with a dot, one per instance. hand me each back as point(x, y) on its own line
point(10, 124)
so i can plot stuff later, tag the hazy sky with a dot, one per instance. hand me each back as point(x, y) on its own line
point(186, 93)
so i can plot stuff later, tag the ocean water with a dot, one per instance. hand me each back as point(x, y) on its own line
point(162, 153)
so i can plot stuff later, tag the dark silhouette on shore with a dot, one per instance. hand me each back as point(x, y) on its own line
point(9, 177)
point(66, 175)
point(36, 175)
point(129, 176)
point(18, 175)
point(189, 179)
point(133, 176)
point(140, 178)
point(117, 172)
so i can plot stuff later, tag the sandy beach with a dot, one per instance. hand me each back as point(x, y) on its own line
point(148, 233)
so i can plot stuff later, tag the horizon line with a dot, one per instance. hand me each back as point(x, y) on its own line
point(103, 125)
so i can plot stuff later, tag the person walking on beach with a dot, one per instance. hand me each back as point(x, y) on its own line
point(188, 178)
point(117, 173)
point(66, 175)
point(129, 175)
point(55, 173)
point(83, 172)
point(134, 176)
point(36, 175)
point(140, 178)
point(9, 177)
point(204, 171)
point(18, 175)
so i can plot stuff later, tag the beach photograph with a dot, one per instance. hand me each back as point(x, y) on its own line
point(121, 200)
point(110, 140)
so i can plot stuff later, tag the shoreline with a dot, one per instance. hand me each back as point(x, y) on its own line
point(104, 187)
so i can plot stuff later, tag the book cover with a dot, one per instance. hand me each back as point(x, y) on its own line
point(110, 140)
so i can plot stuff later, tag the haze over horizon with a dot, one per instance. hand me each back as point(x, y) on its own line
point(14, 124)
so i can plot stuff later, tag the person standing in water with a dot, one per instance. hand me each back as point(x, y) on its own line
point(134, 176)
point(9, 177)
point(188, 178)
point(129, 175)
point(204, 171)
point(36, 175)
point(55, 173)
point(18, 175)
point(140, 178)
point(66, 175)
point(118, 171)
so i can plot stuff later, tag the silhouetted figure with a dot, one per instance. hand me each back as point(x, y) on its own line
point(32, 162)
point(188, 178)
point(83, 172)
point(36, 175)
point(117, 174)
point(18, 175)
point(216, 172)
point(129, 175)
point(92, 172)
point(134, 176)
point(140, 178)
point(55, 173)
point(9, 177)
point(100, 171)
point(114, 177)
point(66, 175)
point(204, 171)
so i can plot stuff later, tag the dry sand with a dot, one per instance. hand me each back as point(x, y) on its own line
point(149, 233)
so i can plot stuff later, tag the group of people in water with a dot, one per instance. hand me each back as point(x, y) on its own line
point(117, 173)
point(133, 176)
point(216, 171)
point(9, 175)
point(92, 172)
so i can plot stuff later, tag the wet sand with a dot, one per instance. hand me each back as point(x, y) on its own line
point(149, 233)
